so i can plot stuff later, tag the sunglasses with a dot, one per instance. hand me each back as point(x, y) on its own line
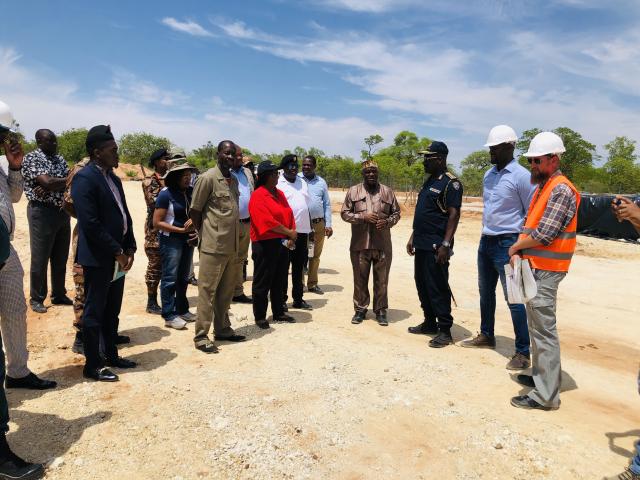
point(292, 166)
point(538, 160)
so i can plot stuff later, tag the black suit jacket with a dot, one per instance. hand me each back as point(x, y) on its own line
point(100, 222)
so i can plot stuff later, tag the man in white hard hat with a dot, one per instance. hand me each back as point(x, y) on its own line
point(547, 241)
point(506, 195)
point(13, 306)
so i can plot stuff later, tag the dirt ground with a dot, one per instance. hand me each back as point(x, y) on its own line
point(325, 399)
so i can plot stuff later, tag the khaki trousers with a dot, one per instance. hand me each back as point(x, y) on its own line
point(216, 281)
point(314, 262)
point(362, 261)
point(243, 253)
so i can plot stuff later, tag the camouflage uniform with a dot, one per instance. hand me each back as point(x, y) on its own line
point(151, 187)
point(78, 276)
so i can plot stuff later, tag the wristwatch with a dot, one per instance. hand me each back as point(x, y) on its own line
point(446, 244)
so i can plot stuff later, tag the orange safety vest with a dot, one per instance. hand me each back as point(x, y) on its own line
point(556, 256)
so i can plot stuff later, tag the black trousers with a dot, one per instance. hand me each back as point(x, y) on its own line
point(432, 283)
point(50, 236)
point(103, 299)
point(298, 258)
point(270, 266)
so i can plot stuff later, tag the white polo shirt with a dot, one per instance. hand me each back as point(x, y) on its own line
point(298, 197)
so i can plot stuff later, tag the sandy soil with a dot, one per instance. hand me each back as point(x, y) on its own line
point(324, 399)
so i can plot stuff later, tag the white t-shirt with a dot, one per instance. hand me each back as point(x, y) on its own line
point(298, 197)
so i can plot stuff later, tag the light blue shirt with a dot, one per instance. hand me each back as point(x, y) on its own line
point(319, 203)
point(506, 195)
point(245, 192)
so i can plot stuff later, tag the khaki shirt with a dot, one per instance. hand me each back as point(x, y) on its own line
point(365, 236)
point(217, 198)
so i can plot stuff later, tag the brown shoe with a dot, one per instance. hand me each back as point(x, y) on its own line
point(519, 362)
point(480, 341)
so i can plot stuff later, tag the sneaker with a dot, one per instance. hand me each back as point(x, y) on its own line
point(519, 362)
point(175, 322)
point(626, 475)
point(153, 307)
point(441, 340)
point(524, 401)
point(38, 307)
point(188, 317)
point(480, 341)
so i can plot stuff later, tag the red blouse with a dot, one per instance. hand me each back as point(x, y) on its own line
point(266, 213)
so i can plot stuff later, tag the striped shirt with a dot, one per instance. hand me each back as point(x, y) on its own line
point(560, 210)
point(10, 192)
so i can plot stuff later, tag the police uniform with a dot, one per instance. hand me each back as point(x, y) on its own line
point(429, 226)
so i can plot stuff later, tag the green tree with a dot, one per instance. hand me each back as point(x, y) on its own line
point(621, 167)
point(371, 141)
point(72, 144)
point(204, 157)
point(474, 167)
point(136, 148)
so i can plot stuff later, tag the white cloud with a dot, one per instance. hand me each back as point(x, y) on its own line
point(190, 27)
point(128, 86)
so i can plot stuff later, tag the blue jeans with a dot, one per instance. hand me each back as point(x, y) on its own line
point(493, 255)
point(635, 461)
point(176, 264)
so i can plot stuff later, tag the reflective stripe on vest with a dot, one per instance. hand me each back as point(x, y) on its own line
point(556, 256)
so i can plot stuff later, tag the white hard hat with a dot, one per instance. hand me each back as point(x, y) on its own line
point(501, 134)
point(545, 143)
point(6, 118)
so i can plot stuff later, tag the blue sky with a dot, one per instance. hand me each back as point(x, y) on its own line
point(275, 74)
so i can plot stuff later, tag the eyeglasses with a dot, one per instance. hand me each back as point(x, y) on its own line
point(292, 166)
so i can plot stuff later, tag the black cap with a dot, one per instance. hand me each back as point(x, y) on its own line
point(287, 159)
point(266, 166)
point(436, 148)
point(157, 155)
point(98, 135)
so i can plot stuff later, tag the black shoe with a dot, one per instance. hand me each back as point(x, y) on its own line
point(317, 290)
point(381, 318)
point(208, 347)
point(301, 305)
point(78, 344)
point(284, 318)
point(526, 380)
point(358, 317)
point(193, 280)
point(523, 401)
point(152, 306)
point(242, 299)
point(38, 307)
point(231, 338)
point(100, 374)
point(263, 324)
point(12, 467)
point(122, 339)
point(62, 301)
point(423, 329)
point(119, 362)
point(31, 382)
point(441, 340)
point(284, 307)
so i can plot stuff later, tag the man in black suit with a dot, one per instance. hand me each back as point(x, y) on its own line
point(106, 247)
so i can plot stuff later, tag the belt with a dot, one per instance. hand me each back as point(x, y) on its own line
point(317, 220)
point(245, 220)
point(38, 203)
point(500, 235)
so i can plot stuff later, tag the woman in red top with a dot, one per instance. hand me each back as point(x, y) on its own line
point(272, 234)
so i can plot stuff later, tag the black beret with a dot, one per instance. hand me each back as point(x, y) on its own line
point(98, 135)
point(157, 155)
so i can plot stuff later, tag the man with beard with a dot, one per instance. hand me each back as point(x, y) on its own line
point(506, 195)
point(434, 224)
point(372, 209)
point(547, 241)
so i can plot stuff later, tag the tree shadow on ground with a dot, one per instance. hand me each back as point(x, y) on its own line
point(458, 332)
point(59, 434)
point(567, 382)
point(612, 436)
point(301, 316)
point(144, 335)
point(252, 332)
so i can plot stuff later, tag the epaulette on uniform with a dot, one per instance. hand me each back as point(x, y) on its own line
point(451, 175)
